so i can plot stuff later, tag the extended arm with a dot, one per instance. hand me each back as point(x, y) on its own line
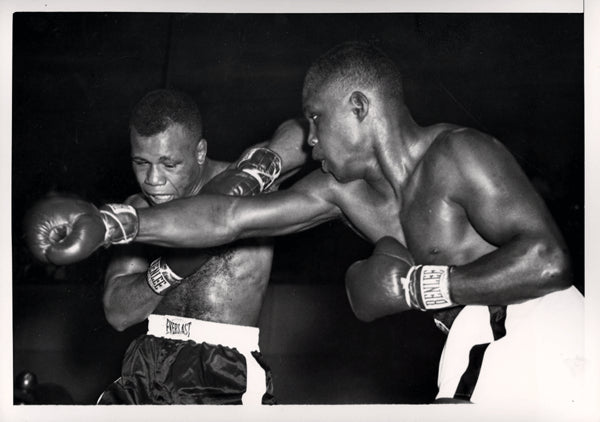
point(211, 220)
point(63, 230)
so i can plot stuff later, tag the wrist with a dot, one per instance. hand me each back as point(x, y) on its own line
point(160, 278)
point(121, 223)
point(427, 287)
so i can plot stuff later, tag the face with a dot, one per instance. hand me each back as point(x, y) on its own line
point(335, 134)
point(167, 165)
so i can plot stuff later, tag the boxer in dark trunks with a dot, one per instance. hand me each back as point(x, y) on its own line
point(202, 341)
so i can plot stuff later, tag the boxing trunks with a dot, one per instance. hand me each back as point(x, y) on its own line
point(188, 361)
point(528, 354)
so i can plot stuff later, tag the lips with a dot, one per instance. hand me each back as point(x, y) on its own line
point(160, 198)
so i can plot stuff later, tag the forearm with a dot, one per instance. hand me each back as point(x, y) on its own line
point(197, 222)
point(129, 300)
point(522, 269)
point(289, 142)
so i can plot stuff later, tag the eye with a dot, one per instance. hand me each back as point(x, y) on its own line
point(138, 162)
point(170, 164)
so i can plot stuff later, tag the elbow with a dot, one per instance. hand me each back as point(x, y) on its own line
point(116, 319)
point(555, 268)
point(118, 322)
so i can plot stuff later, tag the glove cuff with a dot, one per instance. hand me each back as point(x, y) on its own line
point(121, 223)
point(161, 278)
point(427, 287)
point(262, 164)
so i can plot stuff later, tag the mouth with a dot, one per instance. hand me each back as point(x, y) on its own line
point(160, 198)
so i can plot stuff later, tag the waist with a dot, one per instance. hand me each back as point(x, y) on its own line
point(243, 338)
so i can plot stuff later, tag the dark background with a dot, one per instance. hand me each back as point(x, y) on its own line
point(77, 75)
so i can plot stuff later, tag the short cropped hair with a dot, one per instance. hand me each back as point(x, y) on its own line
point(355, 64)
point(161, 108)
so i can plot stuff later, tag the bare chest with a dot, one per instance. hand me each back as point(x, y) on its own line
point(436, 228)
point(228, 288)
point(373, 215)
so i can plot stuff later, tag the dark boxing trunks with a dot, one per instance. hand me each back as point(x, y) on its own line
point(159, 370)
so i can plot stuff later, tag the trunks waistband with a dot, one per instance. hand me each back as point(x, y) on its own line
point(241, 337)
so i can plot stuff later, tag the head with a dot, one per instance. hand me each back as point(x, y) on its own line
point(345, 92)
point(168, 152)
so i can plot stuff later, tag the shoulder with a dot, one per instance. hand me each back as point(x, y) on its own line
point(464, 140)
point(323, 185)
point(215, 167)
point(466, 148)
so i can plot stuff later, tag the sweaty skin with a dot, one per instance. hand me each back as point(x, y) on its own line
point(230, 286)
point(451, 195)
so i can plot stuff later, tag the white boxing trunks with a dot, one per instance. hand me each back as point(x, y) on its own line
point(536, 360)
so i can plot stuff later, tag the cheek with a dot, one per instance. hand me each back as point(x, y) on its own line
point(140, 175)
point(182, 179)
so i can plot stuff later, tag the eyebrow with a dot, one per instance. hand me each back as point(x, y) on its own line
point(161, 159)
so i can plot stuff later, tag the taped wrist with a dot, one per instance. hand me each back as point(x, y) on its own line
point(161, 278)
point(427, 287)
point(120, 222)
point(262, 164)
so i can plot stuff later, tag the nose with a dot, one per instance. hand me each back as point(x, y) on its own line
point(312, 137)
point(154, 177)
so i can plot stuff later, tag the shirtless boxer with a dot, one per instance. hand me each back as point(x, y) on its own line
point(450, 199)
point(202, 341)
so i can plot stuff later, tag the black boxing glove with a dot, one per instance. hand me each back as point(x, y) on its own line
point(63, 231)
point(252, 174)
point(388, 283)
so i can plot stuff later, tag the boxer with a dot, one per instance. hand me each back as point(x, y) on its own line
point(458, 229)
point(202, 306)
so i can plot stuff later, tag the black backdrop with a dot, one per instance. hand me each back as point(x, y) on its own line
point(518, 77)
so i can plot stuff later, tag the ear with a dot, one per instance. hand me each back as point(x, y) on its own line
point(201, 151)
point(360, 105)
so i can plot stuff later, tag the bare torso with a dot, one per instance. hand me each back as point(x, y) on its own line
point(228, 288)
point(424, 217)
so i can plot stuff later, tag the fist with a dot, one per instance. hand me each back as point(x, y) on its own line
point(61, 230)
point(374, 286)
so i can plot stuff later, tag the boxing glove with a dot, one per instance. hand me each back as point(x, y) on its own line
point(63, 230)
point(388, 282)
point(252, 174)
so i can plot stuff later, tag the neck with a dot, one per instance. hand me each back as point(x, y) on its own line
point(399, 146)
